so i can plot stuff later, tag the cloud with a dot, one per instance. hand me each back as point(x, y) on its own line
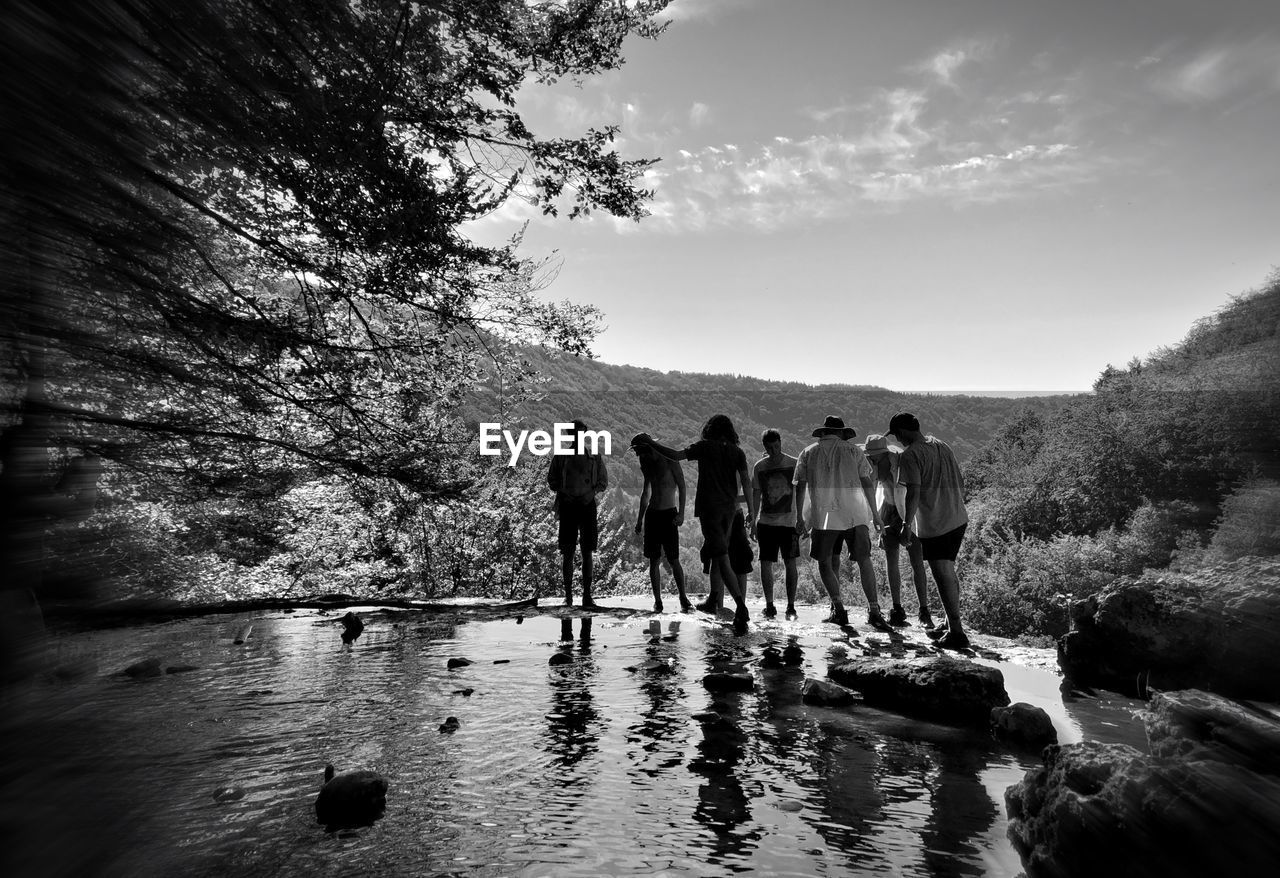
point(943, 65)
point(698, 114)
point(823, 177)
point(1226, 71)
point(919, 140)
point(689, 10)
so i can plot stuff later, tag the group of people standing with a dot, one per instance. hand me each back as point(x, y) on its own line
point(902, 488)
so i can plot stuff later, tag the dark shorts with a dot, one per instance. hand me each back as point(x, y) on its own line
point(661, 536)
point(775, 539)
point(827, 543)
point(945, 547)
point(578, 523)
point(716, 526)
point(739, 546)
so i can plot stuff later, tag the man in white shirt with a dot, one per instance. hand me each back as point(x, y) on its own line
point(841, 490)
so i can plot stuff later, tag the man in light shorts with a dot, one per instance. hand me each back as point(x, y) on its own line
point(841, 489)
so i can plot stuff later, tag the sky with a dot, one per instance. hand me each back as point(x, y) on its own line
point(979, 195)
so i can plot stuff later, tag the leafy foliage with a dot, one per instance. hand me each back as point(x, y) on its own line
point(233, 232)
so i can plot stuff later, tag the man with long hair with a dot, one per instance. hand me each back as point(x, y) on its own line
point(722, 471)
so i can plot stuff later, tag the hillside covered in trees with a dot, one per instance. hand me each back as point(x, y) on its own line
point(674, 406)
point(1173, 459)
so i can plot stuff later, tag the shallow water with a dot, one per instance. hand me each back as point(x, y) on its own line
point(596, 767)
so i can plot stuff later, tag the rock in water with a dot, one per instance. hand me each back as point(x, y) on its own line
point(825, 694)
point(1023, 725)
point(450, 725)
point(351, 627)
point(937, 687)
point(1107, 809)
point(355, 798)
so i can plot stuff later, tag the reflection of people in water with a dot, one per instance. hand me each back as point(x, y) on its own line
point(573, 730)
point(723, 803)
point(961, 815)
point(660, 729)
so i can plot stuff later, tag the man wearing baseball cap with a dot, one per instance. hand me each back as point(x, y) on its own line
point(935, 504)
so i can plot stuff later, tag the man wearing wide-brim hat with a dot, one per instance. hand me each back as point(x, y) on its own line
point(841, 488)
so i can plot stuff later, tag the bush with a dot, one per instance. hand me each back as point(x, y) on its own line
point(1020, 586)
point(1250, 523)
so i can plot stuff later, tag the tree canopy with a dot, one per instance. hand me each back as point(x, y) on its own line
point(234, 241)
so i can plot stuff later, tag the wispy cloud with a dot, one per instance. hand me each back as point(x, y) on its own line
point(824, 177)
point(1223, 71)
point(944, 65)
point(925, 139)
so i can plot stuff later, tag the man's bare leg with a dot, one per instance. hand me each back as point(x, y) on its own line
point(766, 584)
point(655, 580)
point(793, 581)
point(944, 573)
point(566, 568)
point(586, 580)
point(829, 570)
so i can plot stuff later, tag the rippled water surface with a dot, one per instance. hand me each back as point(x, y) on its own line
point(602, 766)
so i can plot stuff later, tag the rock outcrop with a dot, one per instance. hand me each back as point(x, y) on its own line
point(1192, 725)
point(1196, 806)
point(1216, 628)
point(936, 687)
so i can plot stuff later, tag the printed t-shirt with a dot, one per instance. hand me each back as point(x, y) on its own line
point(777, 491)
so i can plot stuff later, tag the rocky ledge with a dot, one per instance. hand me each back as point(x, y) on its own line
point(1217, 628)
point(1206, 801)
point(936, 687)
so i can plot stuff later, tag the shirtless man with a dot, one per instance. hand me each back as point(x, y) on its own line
point(661, 513)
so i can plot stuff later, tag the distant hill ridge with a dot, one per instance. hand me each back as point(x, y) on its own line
point(673, 406)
